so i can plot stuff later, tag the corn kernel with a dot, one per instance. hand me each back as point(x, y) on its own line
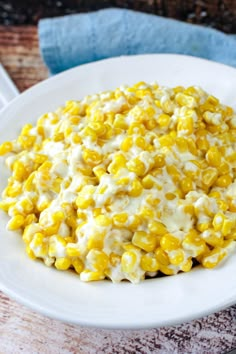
point(145, 241)
point(88, 275)
point(149, 263)
point(103, 220)
point(5, 148)
point(128, 261)
point(72, 252)
point(223, 181)
point(157, 228)
point(136, 188)
point(62, 263)
point(162, 257)
point(213, 157)
point(120, 219)
point(169, 243)
point(78, 265)
point(16, 222)
point(176, 257)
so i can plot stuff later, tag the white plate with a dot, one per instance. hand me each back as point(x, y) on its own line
point(61, 295)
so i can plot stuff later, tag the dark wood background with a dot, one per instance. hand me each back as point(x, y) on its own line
point(214, 13)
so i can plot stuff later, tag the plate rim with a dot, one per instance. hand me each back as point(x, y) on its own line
point(47, 312)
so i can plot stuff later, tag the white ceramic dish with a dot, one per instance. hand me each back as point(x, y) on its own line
point(61, 295)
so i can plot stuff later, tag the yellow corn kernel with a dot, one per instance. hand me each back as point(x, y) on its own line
point(99, 171)
point(72, 252)
point(123, 181)
point(126, 144)
point(166, 140)
point(213, 156)
point(169, 243)
point(78, 265)
point(170, 196)
point(145, 241)
point(98, 260)
point(149, 263)
point(163, 120)
point(14, 190)
point(88, 275)
point(83, 202)
point(173, 172)
point(148, 182)
point(128, 261)
point(214, 194)
point(227, 226)
point(58, 216)
point(223, 169)
point(30, 219)
point(5, 205)
point(232, 205)
point(136, 128)
point(137, 166)
point(5, 148)
point(223, 181)
point(27, 205)
point(118, 163)
point(103, 220)
point(213, 258)
point(151, 124)
point(159, 160)
point(62, 263)
point(134, 222)
point(141, 142)
point(222, 205)
point(218, 221)
point(29, 183)
point(30, 252)
point(162, 257)
point(192, 146)
point(182, 144)
point(120, 219)
point(119, 121)
point(96, 240)
point(38, 239)
point(19, 171)
point(202, 143)
point(212, 100)
point(187, 266)
point(114, 259)
point(91, 157)
point(157, 228)
point(189, 209)
point(136, 188)
point(166, 270)
point(193, 243)
point(185, 100)
point(26, 142)
point(185, 125)
point(203, 226)
point(152, 201)
point(213, 240)
point(16, 222)
point(176, 257)
point(209, 176)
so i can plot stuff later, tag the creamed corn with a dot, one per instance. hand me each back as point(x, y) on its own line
point(126, 183)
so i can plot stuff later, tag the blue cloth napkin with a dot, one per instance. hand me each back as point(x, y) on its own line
point(76, 39)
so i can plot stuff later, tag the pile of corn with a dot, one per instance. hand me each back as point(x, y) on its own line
point(126, 183)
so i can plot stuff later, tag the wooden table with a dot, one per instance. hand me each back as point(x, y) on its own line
point(24, 331)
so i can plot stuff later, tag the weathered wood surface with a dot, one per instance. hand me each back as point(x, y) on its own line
point(23, 331)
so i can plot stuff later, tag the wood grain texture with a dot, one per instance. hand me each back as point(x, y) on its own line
point(19, 53)
point(24, 331)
